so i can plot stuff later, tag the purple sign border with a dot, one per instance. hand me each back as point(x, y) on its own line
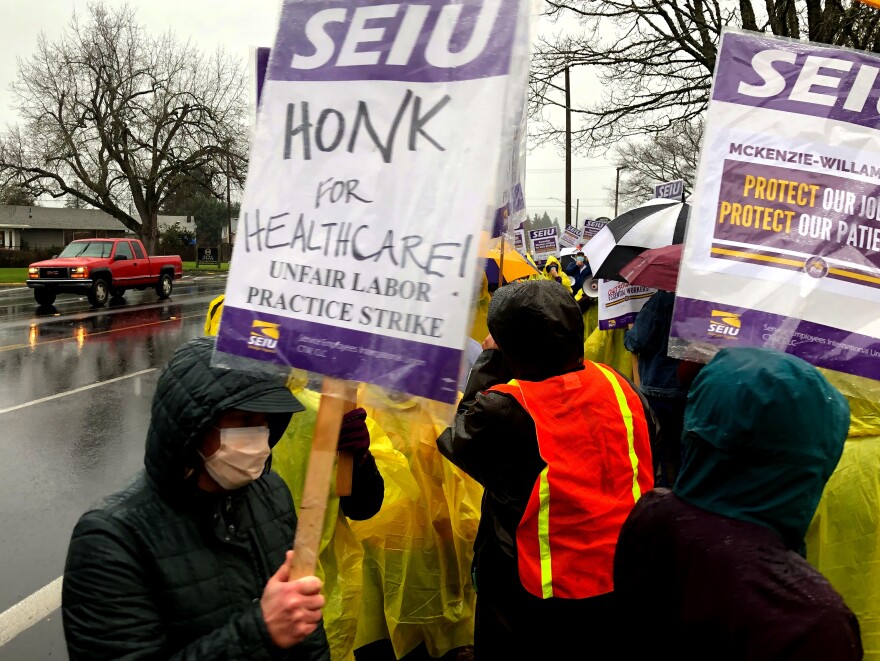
point(348, 354)
point(818, 344)
point(620, 322)
point(261, 62)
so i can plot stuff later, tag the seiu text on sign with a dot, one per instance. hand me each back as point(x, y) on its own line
point(428, 41)
point(672, 190)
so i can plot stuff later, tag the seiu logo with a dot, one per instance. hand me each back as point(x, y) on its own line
point(672, 189)
point(724, 323)
point(389, 35)
point(264, 335)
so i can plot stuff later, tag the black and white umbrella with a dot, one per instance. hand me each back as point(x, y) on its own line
point(655, 224)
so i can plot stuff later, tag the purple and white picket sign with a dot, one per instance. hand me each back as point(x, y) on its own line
point(620, 302)
point(671, 190)
point(545, 243)
point(257, 66)
point(519, 241)
point(358, 244)
point(592, 227)
point(571, 236)
point(783, 247)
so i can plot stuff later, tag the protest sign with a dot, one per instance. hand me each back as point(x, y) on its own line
point(591, 227)
point(672, 190)
point(358, 239)
point(620, 302)
point(545, 243)
point(783, 249)
point(513, 174)
point(519, 240)
point(571, 236)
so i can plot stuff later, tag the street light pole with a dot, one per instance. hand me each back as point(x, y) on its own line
point(617, 189)
point(567, 148)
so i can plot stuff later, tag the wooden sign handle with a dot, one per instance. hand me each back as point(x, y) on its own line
point(316, 490)
point(345, 459)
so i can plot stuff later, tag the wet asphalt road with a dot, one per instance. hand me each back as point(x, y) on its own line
point(75, 392)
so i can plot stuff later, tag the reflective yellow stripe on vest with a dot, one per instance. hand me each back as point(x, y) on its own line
point(628, 423)
point(543, 526)
point(544, 534)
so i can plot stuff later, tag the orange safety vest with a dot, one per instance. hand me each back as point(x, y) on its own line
point(593, 435)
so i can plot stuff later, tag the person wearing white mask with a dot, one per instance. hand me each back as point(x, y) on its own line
point(190, 561)
point(578, 270)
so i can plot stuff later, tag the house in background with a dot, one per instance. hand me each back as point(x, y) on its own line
point(33, 227)
point(186, 222)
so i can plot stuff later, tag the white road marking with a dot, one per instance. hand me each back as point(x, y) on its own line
point(30, 610)
point(75, 390)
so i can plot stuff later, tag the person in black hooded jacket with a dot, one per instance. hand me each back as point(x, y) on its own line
point(501, 441)
point(190, 562)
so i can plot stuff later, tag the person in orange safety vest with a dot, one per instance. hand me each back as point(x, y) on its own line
point(562, 449)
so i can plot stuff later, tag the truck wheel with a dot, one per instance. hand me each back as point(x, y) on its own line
point(164, 286)
point(117, 293)
point(44, 296)
point(99, 293)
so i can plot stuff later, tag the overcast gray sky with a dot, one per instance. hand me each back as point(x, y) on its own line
point(240, 24)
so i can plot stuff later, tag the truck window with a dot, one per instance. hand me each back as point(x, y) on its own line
point(87, 249)
point(139, 253)
point(123, 249)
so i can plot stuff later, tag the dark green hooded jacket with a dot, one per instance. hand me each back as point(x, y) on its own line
point(718, 554)
point(763, 431)
point(166, 571)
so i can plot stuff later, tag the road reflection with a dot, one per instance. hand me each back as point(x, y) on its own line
point(118, 324)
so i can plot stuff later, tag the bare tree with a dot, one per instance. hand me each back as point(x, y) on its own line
point(16, 194)
point(654, 58)
point(660, 157)
point(119, 118)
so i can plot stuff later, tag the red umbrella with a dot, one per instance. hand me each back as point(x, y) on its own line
point(656, 268)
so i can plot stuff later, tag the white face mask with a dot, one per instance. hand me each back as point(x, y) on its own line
point(241, 457)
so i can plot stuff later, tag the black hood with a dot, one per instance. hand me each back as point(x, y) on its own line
point(189, 396)
point(538, 327)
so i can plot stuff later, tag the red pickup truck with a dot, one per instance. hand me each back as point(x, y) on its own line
point(102, 268)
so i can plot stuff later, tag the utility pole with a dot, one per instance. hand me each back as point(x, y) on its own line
point(617, 189)
point(577, 212)
point(567, 148)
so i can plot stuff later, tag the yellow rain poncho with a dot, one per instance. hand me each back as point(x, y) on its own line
point(215, 311)
point(843, 541)
point(418, 548)
point(566, 281)
point(591, 316)
point(479, 329)
point(606, 346)
point(531, 260)
point(341, 555)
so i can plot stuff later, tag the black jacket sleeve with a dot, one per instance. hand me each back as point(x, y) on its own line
point(492, 437)
point(109, 611)
point(367, 490)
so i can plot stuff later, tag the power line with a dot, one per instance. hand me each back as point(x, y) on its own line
point(562, 169)
point(536, 197)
